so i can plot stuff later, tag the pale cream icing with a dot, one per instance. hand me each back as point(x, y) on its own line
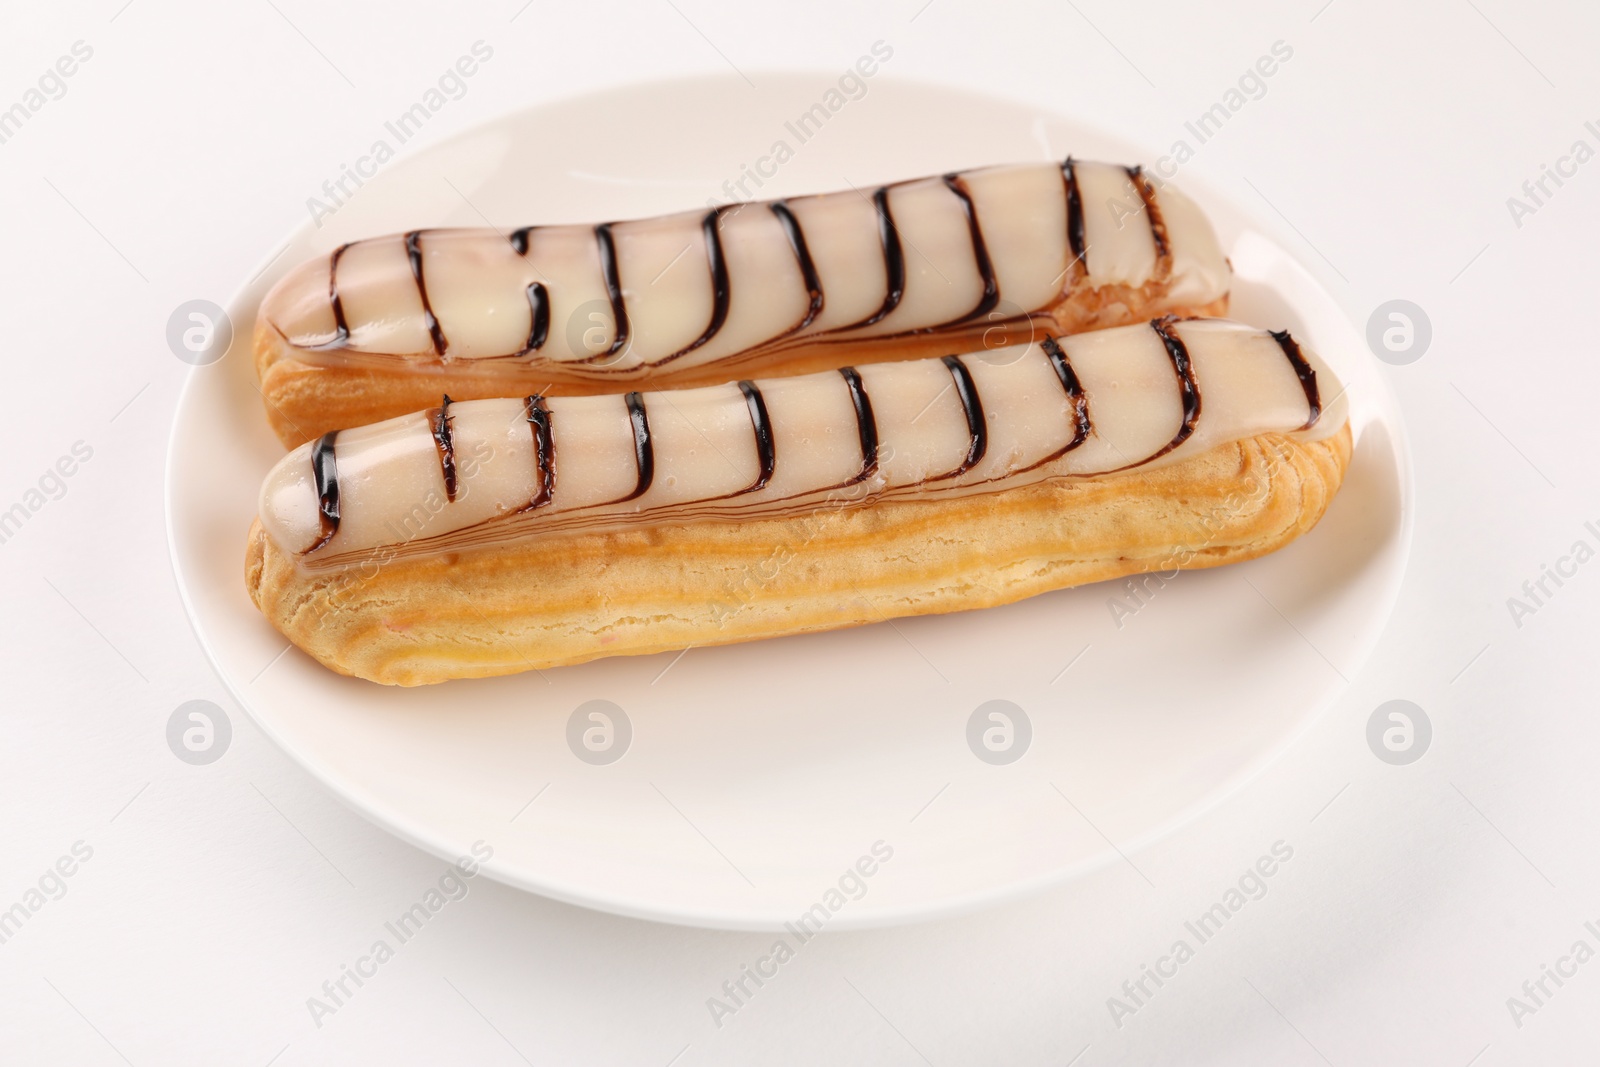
point(692, 289)
point(1071, 407)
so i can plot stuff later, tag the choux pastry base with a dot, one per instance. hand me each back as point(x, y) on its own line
point(565, 599)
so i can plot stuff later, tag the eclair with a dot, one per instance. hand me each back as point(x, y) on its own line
point(485, 537)
point(963, 261)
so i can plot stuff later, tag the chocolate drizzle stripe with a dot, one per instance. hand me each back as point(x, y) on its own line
point(325, 472)
point(802, 255)
point(972, 407)
point(1069, 175)
point(544, 450)
point(414, 255)
point(720, 289)
point(1188, 391)
point(1152, 212)
point(1069, 382)
point(866, 424)
point(721, 292)
point(539, 317)
point(644, 451)
point(1303, 371)
point(440, 425)
point(894, 262)
point(519, 240)
point(766, 452)
point(980, 252)
point(341, 329)
point(608, 270)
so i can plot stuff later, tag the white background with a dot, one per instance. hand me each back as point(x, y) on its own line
point(218, 899)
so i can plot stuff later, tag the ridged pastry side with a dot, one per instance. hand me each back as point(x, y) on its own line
point(560, 600)
point(306, 400)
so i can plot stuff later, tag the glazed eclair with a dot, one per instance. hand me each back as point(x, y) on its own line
point(492, 536)
point(959, 262)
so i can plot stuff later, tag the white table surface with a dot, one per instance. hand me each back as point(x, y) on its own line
point(218, 899)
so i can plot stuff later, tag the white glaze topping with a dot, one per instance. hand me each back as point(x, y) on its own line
point(620, 299)
point(487, 471)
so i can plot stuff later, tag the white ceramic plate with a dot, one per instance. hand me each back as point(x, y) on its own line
point(758, 774)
